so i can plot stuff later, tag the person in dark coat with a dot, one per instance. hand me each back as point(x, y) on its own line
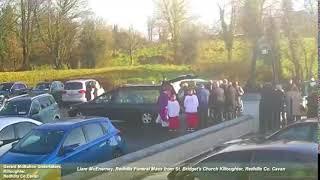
point(163, 100)
point(265, 108)
point(203, 98)
point(224, 85)
point(88, 92)
point(217, 102)
point(231, 102)
point(278, 107)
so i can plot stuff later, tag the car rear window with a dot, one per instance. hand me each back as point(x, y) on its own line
point(137, 96)
point(73, 86)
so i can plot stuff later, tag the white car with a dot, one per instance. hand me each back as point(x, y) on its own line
point(75, 90)
point(12, 129)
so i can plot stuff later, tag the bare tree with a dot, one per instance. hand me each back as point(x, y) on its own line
point(28, 11)
point(252, 25)
point(59, 26)
point(311, 9)
point(133, 43)
point(173, 13)
point(293, 37)
point(151, 22)
point(228, 29)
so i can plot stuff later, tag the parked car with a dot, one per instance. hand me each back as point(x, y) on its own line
point(12, 129)
point(75, 90)
point(276, 160)
point(129, 103)
point(72, 143)
point(304, 130)
point(42, 107)
point(11, 89)
point(55, 88)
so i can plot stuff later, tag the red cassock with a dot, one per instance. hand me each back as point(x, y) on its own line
point(174, 122)
point(192, 120)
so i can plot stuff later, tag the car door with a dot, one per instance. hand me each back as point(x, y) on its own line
point(35, 110)
point(54, 108)
point(101, 106)
point(96, 143)
point(100, 88)
point(136, 103)
point(47, 112)
point(76, 157)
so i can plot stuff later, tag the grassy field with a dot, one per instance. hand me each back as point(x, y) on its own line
point(109, 77)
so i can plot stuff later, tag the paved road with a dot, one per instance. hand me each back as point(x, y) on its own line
point(139, 137)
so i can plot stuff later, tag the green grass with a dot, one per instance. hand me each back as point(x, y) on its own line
point(110, 76)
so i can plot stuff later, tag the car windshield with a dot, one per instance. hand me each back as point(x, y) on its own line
point(5, 86)
point(73, 86)
point(42, 86)
point(39, 142)
point(16, 107)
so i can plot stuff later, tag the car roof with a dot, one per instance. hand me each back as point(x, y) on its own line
point(29, 96)
point(14, 82)
point(140, 85)
point(6, 121)
point(298, 146)
point(71, 123)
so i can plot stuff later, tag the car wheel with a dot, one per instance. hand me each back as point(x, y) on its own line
point(147, 118)
point(117, 153)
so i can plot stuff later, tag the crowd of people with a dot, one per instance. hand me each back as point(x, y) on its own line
point(217, 101)
point(280, 106)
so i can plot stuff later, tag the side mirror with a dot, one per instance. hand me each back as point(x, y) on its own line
point(68, 149)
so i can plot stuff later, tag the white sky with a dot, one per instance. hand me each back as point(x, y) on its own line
point(135, 13)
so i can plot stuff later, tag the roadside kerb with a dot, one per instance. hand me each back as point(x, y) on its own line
point(158, 155)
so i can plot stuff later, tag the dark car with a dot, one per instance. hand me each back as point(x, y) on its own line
point(55, 88)
point(11, 89)
point(304, 130)
point(42, 107)
point(126, 103)
point(129, 103)
point(277, 160)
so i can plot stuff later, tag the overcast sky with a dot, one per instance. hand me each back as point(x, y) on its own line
point(134, 13)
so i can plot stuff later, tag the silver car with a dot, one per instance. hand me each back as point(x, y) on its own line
point(42, 108)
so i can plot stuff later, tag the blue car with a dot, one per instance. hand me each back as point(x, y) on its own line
point(70, 143)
